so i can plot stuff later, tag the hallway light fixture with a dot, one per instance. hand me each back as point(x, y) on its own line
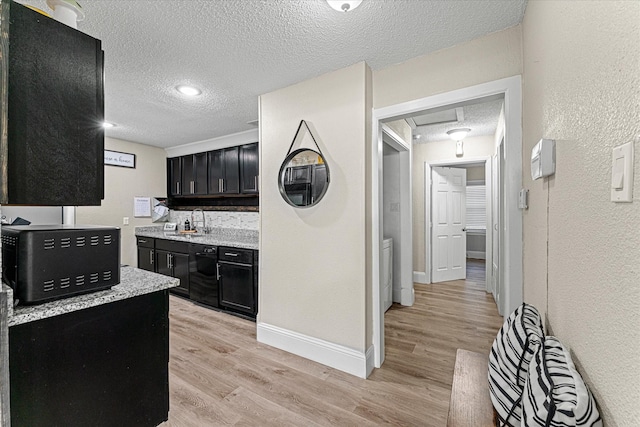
point(458, 135)
point(344, 5)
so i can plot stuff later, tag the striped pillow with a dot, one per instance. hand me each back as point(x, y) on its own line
point(555, 394)
point(511, 352)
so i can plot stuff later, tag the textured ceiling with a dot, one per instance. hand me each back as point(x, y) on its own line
point(481, 117)
point(235, 50)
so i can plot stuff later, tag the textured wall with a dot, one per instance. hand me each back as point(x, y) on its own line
point(312, 261)
point(480, 146)
point(582, 88)
point(121, 185)
point(495, 56)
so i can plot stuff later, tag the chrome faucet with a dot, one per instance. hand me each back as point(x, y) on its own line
point(193, 221)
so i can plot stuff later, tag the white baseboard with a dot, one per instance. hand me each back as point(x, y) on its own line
point(476, 255)
point(420, 277)
point(333, 355)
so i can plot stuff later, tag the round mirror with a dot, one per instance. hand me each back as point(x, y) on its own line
point(303, 178)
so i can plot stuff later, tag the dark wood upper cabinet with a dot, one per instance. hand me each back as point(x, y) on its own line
point(194, 174)
point(224, 171)
point(249, 169)
point(52, 150)
point(174, 176)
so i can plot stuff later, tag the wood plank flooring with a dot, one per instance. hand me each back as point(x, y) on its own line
point(220, 374)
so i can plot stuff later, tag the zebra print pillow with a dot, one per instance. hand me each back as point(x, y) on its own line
point(555, 394)
point(513, 348)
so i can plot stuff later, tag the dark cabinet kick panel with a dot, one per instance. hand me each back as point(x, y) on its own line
point(55, 140)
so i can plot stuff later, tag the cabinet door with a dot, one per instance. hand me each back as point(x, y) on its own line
point(53, 83)
point(249, 169)
point(231, 184)
point(224, 171)
point(163, 263)
point(146, 258)
point(200, 174)
point(216, 171)
point(236, 287)
point(174, 176)
point(188, 171)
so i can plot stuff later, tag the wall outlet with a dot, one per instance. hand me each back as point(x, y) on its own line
point(125, 220)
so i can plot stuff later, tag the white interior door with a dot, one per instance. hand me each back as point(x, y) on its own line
point(448, 213)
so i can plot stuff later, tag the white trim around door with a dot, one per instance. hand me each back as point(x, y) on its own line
point(511, 87)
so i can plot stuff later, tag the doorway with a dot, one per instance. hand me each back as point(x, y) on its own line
point(478, 225)
point(511, 260)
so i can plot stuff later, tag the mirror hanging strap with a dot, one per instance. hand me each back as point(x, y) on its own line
point(295, 137)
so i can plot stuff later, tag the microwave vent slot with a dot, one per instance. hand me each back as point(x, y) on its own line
point(94, 277)
point(48, 285)
point(106, 276)
point(80, 241)
point(108, 239)
point(9, 240)
point(49, 244)
point(80, 280)
point(95, 240)
point(65, 242)
point(64, 283)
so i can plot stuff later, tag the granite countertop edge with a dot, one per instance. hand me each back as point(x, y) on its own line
point(133, 282)
point(243, 239)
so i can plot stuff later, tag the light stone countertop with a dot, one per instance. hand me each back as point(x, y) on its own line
point(133, 282)
point(235, 238)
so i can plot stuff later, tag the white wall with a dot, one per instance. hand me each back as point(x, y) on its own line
point(313, 264)
point(121, 185)
point(582, 88)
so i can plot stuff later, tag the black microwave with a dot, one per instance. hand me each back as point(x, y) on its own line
point(49, 262)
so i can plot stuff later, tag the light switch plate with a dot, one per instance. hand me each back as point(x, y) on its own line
point(622, 173)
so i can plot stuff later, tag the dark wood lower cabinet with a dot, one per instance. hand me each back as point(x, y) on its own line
point(236, 287)
point(101, 366)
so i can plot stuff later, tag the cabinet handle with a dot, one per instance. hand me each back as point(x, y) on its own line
point(169, 261)
point(178, 187)
point(142, 241)
point(217, 271)
point(193, 187)
point(151, 257)
point(255, 182)
point(230, 254)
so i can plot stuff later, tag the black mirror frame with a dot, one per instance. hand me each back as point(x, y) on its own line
point(281, 179)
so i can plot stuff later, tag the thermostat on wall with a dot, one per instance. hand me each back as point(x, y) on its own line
point(543, 159)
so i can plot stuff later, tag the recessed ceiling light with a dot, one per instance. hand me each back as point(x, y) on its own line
point(188, 90)
point(107, 125)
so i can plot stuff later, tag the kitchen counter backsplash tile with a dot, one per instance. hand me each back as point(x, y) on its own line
point(237, 238)
point(133, 282)
point(220, 219)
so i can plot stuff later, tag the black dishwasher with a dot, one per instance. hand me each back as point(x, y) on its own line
point(238, 284)
point(203, 271)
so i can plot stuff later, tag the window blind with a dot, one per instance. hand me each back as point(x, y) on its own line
point(476, 207)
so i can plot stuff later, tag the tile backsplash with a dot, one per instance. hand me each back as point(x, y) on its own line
point(220, 219)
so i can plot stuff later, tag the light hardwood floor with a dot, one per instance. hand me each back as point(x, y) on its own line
point(220, 375)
